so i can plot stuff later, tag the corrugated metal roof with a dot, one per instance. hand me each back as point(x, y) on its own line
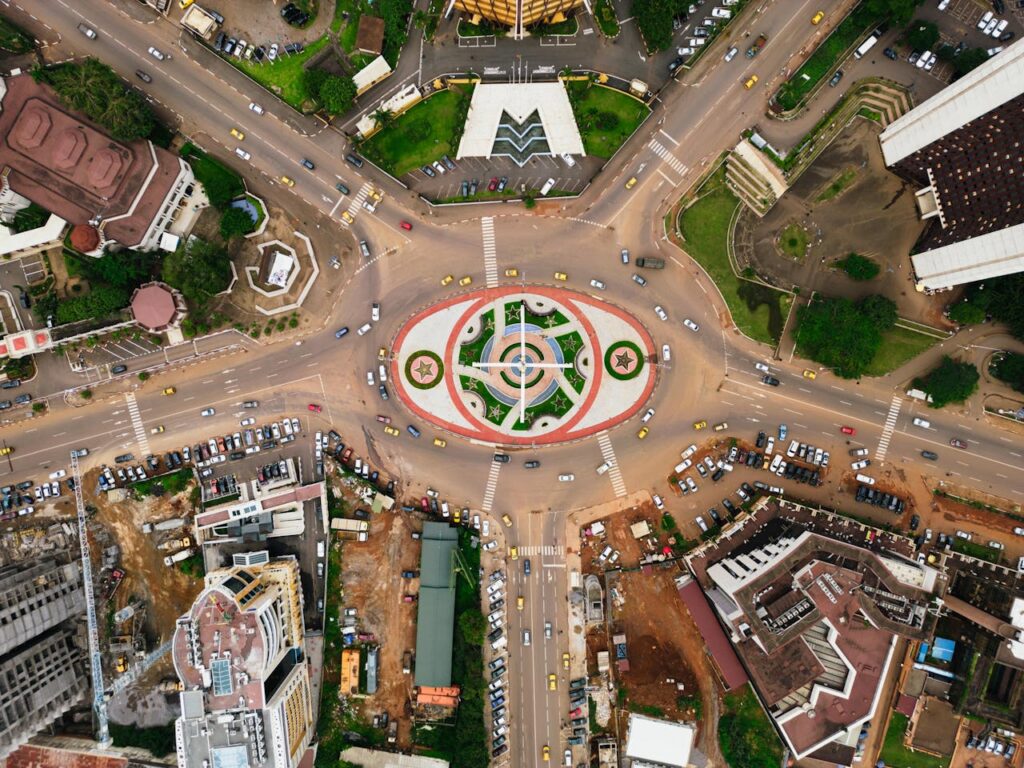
point(997, 253)
point(995, 82)
point(435, 617)
point(733, 674)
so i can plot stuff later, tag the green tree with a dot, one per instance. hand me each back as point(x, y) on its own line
point(143, 375)
point(1005, 301)
point(236, 222)
point(395, 14)
point(966, 313)
point(843, 335)
point(879, 311)
point(101, 301)
point(123, 269)
point(898, 11)
point(859, 267)
point(313, 79)
point(970, 59)
point(1009, 367)
point(337, 94)
point(198, 269)
point(383, 117)
point(654, 20)
point(472, 625)
point(951, 382)
point(86, 394)
point(922, 35)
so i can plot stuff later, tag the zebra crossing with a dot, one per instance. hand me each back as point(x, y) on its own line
point(549, 550)
point(492, 484)
point(357, 202)
point(887, 430)
point(140, 431)
point(614, 474)
point(668, 157)
point(490, 252)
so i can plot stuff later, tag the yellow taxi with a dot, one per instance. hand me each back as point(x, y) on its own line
point(347, 216)
point(520, 602)
point(546, 753)
point(506, 520)
point(290, 183)
point(513, 552)
point(631, 183)
point(552, 682)
point(511, 272)
point(751, 82)
point(237, 134)
point(467, 280)
point(157, 430)
point(561, 276)
point(447, 279)
point(170, 391)
point(699, 425)
point(389, 430)
point(809, 374)
point(818, 17)
point(644, 431)
point(440, 442)
point(565, 660)
point(375, 194)
point(185, 3)
point(457, 516)
point(6, 450)
point(382, 354)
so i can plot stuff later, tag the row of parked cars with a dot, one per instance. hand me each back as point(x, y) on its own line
point(240, 49)
point(497, 666)
point(20, 500)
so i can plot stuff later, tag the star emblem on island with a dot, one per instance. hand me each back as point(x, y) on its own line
point(424, 369)
point(623, 360)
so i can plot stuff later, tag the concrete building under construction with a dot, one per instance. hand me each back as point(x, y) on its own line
point(43, 670)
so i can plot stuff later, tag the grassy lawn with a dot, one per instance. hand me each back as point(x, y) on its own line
point(606, 21)
point(745, 735)
point(898, 346)
point(895, 755)
point(13, 38)
point(793, 241)
point(222, 183)
point(606, 117)
point(284, 76)
point(825, 57)
point(430, 129)
point(838, 185)
point(973, 549)
point(759, 311)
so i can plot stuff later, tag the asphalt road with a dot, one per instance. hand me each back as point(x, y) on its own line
point(711, 376)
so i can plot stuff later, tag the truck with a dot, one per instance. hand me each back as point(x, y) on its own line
point(177, 557)
point(164, 525)
point(650, 262)
point(346, 524)
point(756, 46)
point(392, 732)
point(199, 21)
point(167, 546)
point(407, 663)
point(169, 685)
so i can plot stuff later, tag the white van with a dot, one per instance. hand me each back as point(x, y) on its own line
point(320, 549)
point(547, 187)
point(683, 466)
point(721, 13)
point(603, 467)
point(500, 643)
point(568, 160)
point(923, 423)
point(867, 480)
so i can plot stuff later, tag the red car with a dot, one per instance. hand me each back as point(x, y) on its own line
point(958, 443)
point(425, 503)
point(406, 226)
point(383, 419)
point(315, 408)
point(848, 431)
point(493, 185)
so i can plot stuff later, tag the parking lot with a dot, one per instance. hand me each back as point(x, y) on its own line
point(488, 172)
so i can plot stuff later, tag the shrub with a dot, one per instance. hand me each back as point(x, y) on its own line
point(951, 382)
point(859, 267)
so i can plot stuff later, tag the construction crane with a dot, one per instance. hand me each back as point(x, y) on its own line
point(99, 703)
point(136, 670)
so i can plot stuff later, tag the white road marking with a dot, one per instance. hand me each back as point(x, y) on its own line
point(490, 252)
point(614, 473)
point(140, 430)
point(887, 430)
point(492, 484)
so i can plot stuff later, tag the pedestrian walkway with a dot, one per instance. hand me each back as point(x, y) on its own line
point(492, 484)
point(548, 550)
point(357, 202)
point(614, 473)
point(490, 252)
point(673, 162)
point(140, 431)
point(887, 430)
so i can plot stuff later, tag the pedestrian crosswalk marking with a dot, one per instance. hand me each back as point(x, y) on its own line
point(887, 430)
point(614, 473)
point(492, 484)
point(549, 550)
point(140, 430)
point(490, 252)
point(357, 201)
point(673, 162)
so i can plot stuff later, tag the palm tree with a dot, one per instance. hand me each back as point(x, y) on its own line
point(383, 117)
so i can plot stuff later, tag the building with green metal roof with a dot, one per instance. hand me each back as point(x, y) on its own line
point(435, 619)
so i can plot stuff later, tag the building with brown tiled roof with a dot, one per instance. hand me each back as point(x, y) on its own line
point(963, 151)
point(240, 655)
point(370, 35)
point(128, 192)
point(157, 307)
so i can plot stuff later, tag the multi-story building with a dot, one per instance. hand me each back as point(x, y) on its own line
point(43, 669)
point(517, 14)
point(240, 655)
point(961, 149)
point(111, 192)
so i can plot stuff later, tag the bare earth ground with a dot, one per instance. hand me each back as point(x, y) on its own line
point(371, 573)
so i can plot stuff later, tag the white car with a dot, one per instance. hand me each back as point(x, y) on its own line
point(658, 502)
point(647, 416)
point(731, 53)
point(207, 412)
point(375, 312)
point(860, 464)
point(382, 373)
point(691, 325)
point(157, 54)
point(762, 367)
point(666, 353)
point(58, 474)
point(991, 26)
point(690, 484)
point(369, 378)
point(1000, 28)
point(597, 284)
point(242, 153)
point(943, 4)
point(254, 107)
point(247, 422)
point(660, 313)
point(364, 329)
point(487, 527)
point(984, 20)
point(566, 478)
point(770, 447)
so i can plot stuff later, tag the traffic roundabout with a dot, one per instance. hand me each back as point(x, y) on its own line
point(516, 365)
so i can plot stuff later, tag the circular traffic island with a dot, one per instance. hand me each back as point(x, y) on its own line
point(523, 366)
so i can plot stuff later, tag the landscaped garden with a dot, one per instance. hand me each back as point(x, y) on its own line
point(793, 241)
point(758, 310)
point(900, 344)
point(745, 735)
point(286, 75)
point(604, 13)
point(606, 117)
point(421, 135)
point(842, 181)
point(896, 755)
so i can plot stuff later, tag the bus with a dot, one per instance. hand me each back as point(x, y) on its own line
point(866, 46)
